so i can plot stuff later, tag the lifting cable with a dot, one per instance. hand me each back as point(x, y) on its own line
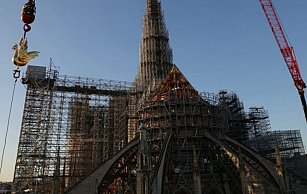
point(28, 17)
point(16, 74)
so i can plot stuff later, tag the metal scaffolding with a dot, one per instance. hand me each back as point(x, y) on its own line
point(175, 108)
point(235, 114)
point(258, 122)
point(289, 143)
point(70, 125)
point(156, 56)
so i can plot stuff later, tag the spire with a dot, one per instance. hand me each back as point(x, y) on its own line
point(155, 53)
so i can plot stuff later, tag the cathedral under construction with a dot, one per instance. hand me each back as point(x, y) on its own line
point(154, 135)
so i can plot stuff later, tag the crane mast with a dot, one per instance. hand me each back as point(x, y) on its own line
point(286, 49)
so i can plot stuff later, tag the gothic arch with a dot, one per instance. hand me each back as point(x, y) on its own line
point(183, 190)
point(259, 165)
point(102, 176)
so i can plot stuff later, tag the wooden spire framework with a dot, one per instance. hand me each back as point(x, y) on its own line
point(155, 60)
point(155, 53)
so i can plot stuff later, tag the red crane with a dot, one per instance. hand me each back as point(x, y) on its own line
point(286, 49)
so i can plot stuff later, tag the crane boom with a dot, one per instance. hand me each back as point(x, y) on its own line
point(286, 49)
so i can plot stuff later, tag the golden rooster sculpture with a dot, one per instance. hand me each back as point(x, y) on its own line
point(22, 56)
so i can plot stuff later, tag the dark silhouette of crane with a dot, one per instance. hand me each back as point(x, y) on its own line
point(286, 49)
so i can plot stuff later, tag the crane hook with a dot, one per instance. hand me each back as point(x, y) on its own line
point(16, 73)
point(28, 15)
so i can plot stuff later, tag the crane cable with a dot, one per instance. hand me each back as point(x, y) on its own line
point(28, 17)
point(16, 75)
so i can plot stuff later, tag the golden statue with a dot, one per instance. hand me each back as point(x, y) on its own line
point(22, 56)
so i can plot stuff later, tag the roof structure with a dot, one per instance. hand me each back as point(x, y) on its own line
point(176, 82)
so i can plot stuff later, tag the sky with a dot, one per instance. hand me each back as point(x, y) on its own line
point(217, 45)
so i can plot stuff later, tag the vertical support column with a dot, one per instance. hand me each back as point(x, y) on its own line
point(196, 174)
point(226, 184)
point(279, 170)
point(56, 185)
point(144, 164)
